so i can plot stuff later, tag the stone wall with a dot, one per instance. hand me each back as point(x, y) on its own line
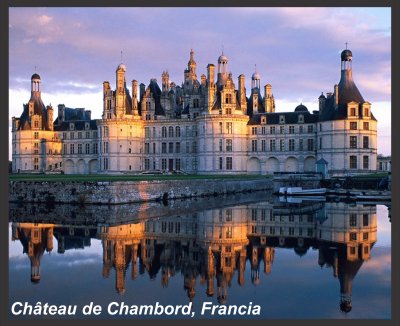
point(122, 192)
point(117, 214)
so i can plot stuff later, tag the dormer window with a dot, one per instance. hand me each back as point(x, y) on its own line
point(87, 125)
point(263, 120)
point(366, 112)
point(301, 118)
point(281, 119)
point(71, 126)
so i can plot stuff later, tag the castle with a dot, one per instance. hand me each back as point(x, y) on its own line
point(204, 126)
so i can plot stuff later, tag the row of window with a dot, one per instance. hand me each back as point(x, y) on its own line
point(79, 135)
point(282, 231)
point(353, 164)
point(172, 132)
point(274, 145)
point(354, 142)
point(88, 148)
point(354, 125)
point(273, 130)
point(169, 164)
point(151, 148)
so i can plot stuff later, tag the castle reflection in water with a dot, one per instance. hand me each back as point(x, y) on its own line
point(212, 246)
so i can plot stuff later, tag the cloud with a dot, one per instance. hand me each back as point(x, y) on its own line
point(44, 19)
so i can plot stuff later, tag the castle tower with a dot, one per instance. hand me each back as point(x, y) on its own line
point(165, 81)
point(135, 97)
point(192, 64)
point(242, 93)
point(255, 80)
point(269, 101)
point(222, 69)
point(120, 90)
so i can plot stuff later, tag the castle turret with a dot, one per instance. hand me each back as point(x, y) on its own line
point(120, 90)
point(134, 97)
point(222, 70)
point(269, 101)
point(242, 93)
point(50, 112)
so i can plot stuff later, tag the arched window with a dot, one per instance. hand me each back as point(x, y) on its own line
point(170, 131)
point(177, 131)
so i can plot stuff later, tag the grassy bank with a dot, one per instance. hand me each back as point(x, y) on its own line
point(124, 177)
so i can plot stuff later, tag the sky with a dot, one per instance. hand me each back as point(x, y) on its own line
point(296, 50)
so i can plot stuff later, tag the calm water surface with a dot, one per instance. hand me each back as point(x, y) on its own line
point(305, 259)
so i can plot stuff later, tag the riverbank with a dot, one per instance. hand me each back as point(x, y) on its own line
point(124, 192)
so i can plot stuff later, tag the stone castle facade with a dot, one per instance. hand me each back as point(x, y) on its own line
point(204, 126)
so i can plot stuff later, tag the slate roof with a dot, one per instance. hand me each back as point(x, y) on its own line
point(78, 125)
point(290, 118)
point(261, 107)
point(38, 108)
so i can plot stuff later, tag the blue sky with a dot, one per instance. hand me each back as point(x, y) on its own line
point(296, 50)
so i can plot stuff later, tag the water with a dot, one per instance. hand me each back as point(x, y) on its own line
point(293, 260)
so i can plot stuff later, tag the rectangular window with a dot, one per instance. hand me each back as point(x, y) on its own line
point(353, 141)
point(272, 130)
point(221, 131)
point(220, 163)
point(300, 144)
point(147, 164)
point(353, 236)
point(282, 129)
point(365, 142)
point(194, 147)
point(64, 148)
point(64, 135)
point(178, 164)
point(154, 148)
point(366, 125)
point(229, 127)
point(254, 130)
point(72, 135)
point(95, 148)
point(365, 219)
point(79, 148)
point(79, 135)
point(164, 132)
point(36, 135)
point(300, 129)
point(146, 148)
point(263, 145)
point(291, 129)
point(281, 145)
point(365, 236)
point(105, 147)
point(254, 145)
point(87, 148)
point(320, 143)
point(187, 147)
point(220, 145)
point(291, 144)
point(310, 144)
point(272, 145)
point(72, 149)
point(146, 132)
point(87, 134)
point(177, 147)
point(353, 162)
point(365, 162)
point(163, 148)
point(164, 164)
point(229, 163)
point(310, 128)
point(263, 130)
point(170, 148)
point(229, 145)
point(353, 125)
point(353, 220)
